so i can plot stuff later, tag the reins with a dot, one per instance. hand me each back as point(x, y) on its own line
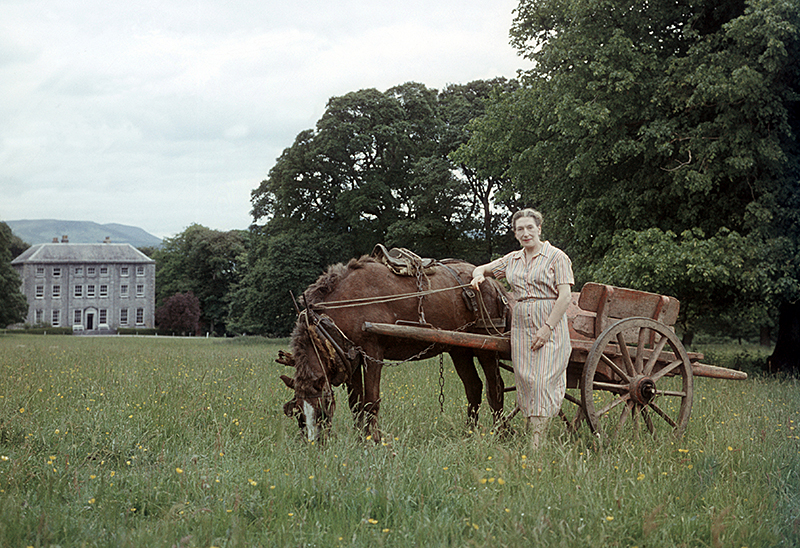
point(366, 301)
point(319, 357)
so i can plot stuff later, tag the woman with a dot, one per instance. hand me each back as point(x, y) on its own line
point(541, 278)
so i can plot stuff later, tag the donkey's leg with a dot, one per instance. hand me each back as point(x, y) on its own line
point(495, 388)
point(355, 395)
point(372, 398)
point(465, 367)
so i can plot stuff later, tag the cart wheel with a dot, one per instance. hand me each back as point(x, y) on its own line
point(649, 380)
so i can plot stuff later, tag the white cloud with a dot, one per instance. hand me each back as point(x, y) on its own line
point(163, 114)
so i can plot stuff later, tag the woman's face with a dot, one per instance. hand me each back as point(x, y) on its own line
point(527, 232)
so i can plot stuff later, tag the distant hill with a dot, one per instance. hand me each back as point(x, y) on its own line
point(42, 231)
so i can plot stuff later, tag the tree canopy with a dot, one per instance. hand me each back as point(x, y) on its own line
point(650, 132)
point(376, 169)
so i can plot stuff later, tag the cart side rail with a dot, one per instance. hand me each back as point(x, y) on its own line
point(600, 306)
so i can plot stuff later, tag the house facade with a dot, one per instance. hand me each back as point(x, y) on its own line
point(89, 287)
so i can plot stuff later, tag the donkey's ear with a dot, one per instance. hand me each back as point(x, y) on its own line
point(288, 381)
point(285, 358)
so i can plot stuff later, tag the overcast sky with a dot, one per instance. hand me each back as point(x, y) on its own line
point(160, 114)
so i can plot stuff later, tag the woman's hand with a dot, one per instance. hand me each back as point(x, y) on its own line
point(479, 276)
point(541, 337)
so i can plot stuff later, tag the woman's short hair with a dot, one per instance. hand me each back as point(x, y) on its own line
point(527, 212)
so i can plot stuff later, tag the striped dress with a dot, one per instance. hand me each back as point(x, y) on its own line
point(540, 375)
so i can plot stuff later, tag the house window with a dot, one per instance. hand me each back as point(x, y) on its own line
point(78, 291)
point(57, 271)
point(140, 271)
point(40, 292)
point(123, 316)
point(140, 316)
point(103, 316)
point(56, 318)
point(104, 271)
point(79, 271)
point(90, 270)
point(40, 272)
point(123, 290)
point(140, 290)
point(76, 317)
point(39, 315)
point(56, 291)
point(90, 290)
point(123, 271)
point(103, 290)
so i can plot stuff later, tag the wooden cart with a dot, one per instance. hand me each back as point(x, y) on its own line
point(627, 366)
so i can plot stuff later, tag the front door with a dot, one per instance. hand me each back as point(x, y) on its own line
point(89, 321)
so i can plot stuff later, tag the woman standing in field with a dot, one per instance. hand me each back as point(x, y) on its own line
point(541, 278)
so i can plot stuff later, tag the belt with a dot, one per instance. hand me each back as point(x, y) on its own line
point(536, 299)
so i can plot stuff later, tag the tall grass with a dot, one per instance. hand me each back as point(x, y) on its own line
point(165, 442)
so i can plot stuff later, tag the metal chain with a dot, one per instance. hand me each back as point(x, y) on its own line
point(415, 357)
point(421, 292)
point(441, 383)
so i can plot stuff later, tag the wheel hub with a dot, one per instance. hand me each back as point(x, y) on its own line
point(643, 390)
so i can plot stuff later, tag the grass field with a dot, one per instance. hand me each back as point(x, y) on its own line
point(183, 443)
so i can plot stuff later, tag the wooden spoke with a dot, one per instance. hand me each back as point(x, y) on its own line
point(677, 393)
point(626, 412)
point(626, 355)
point(663, 415)
point(648, 368)
point(640, 346)
point(648, 420)
point(613, 404)
point(609, 362)
point(667, 370)
point(611, 387)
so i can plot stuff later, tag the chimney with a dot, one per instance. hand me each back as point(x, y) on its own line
point(107, 240)
point(55, 240)
point(64, 239)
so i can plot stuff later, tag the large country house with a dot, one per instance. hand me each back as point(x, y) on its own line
point(89, 287)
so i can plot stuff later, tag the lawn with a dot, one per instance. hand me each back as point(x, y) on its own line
point(133, 441)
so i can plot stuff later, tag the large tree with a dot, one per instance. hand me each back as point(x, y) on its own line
point(460, 104)
point(206, 262)
point(376, 169)
point(666, 117)
point(13, 305)
point(180, 314)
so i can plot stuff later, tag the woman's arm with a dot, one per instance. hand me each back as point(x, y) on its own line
point(479, 275)
point(562, 303)
point(544, 332)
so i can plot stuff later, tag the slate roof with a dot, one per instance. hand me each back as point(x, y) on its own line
point(82, 253)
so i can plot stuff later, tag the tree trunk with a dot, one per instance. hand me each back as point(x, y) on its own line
point(786, 356)
point(765, 338)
